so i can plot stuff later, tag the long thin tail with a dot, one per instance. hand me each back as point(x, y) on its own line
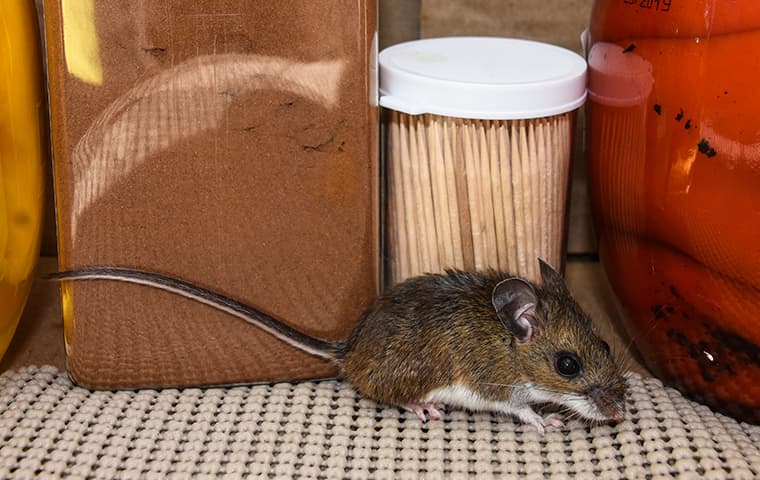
point(291, 336)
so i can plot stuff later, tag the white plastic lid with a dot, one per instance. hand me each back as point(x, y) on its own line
point(488, 78)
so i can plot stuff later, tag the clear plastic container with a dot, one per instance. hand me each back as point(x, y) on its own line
point(478, 149)
point(229, 144)
point(22, 131)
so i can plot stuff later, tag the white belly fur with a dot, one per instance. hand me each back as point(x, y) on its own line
point(521, 397)
point(462, 396)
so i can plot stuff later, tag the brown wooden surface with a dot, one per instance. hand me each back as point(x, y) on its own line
point(39, 335)
point(399, 21)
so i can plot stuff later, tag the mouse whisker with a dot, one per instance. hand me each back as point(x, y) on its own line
point(569, 414)
point(679, 357)
point(572, 414)
point(623, 357)
point(620, 367)
point(622, 363)
point(630, 347)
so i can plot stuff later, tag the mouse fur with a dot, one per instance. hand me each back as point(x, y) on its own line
point(445, 344)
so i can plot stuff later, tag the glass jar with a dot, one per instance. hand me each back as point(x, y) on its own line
point(674, 154)
point(21, 160)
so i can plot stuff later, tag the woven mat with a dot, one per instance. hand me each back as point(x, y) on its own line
point(51, 428)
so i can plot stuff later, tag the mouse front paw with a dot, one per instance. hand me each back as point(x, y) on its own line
point(425, 411)
point(542, 424)
point(553, 422)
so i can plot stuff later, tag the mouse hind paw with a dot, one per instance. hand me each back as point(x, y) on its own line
point(425, 411)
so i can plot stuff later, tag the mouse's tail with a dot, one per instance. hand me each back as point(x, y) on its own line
point(315, 346)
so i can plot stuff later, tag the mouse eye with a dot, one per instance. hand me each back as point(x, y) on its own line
point(606, 347)
point(567, 365)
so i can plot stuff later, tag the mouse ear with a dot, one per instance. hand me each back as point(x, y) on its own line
point(515, 302)
point(551, 278)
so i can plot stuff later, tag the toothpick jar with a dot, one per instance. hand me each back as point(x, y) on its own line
point(478, 147)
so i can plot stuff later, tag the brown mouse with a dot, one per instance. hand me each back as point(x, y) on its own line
point(479, 341)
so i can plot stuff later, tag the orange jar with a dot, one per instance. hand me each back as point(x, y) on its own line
point(674, 154)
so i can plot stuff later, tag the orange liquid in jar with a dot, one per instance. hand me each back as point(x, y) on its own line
point(21, 155)
point(674, 153)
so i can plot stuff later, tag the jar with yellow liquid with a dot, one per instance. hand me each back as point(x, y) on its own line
point(21, 157)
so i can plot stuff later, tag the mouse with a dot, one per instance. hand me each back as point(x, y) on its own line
point(475, 340)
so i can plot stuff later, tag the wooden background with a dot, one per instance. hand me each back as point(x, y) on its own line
point(555, 21)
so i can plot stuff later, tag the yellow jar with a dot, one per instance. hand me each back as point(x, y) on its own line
point(21, 159)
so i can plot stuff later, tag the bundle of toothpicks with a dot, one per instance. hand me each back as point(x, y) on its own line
point(476, 194)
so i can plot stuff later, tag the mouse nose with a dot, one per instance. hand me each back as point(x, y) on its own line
point(617, 414)
point(610, 406)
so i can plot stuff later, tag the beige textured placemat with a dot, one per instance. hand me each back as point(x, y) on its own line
point(50, 428)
